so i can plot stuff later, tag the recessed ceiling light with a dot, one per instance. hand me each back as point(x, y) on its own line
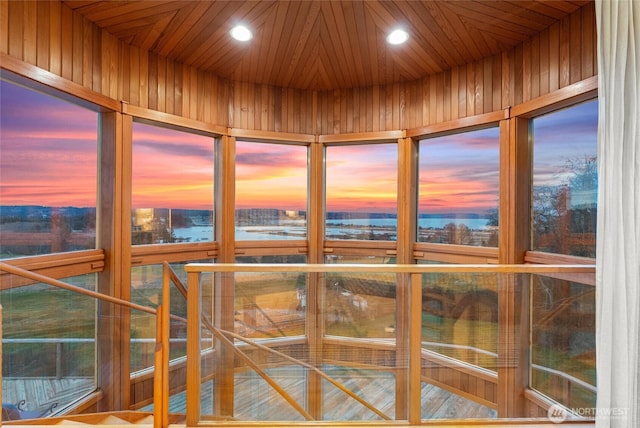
point(397, 37)
point(241, 33)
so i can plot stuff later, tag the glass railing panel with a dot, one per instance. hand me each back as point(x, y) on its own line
point(146, 290)
point(266, 310)
point(270, 305)
point(209, 353)
point(354, 359)
point(360, 305)
point(459, 345)
point(360, 324)
point(460, 317)
point(563, 347)
point(48, 347)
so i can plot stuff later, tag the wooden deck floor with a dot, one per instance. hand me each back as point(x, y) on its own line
point(39, 395)
point(255, 400)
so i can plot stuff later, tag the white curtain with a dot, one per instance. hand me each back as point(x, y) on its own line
point(618, 244)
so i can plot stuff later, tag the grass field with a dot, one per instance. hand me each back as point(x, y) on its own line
point(43, 312)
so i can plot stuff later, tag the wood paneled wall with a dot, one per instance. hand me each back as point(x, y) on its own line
point(52, 37)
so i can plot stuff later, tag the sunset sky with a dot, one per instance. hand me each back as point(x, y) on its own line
point(48, 156)
point(271, 176)
point(48, 150)
point(460, 173)
point(554, 146)
point(362, 178)
point(171, 169)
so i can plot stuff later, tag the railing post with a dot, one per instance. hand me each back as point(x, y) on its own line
point(403, 329)
point(193, 348)
point(415, 348)
point(158, 377)
point(163, 317)
point(224, 319)
point(0, 360)
point(315, 280)
point(59, 360)
point(514, 327)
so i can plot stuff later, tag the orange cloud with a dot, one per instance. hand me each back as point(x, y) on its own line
point(362, 178)
point(271, 176)
point(171, 169)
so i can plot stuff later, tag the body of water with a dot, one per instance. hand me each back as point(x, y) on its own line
point(433, 222)
point(296, 229)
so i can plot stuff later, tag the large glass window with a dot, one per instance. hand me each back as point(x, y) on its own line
point(565, 180)
point(361, 192)
point(563, 341)
point(48, 346)
point(48, 171)
point(459, 188)
point(271, 191)
point(172, 186)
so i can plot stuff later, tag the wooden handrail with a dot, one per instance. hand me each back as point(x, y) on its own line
point(385, 268)
point(57, 283)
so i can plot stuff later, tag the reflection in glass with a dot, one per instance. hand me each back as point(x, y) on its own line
point(269, 305)
point(269, 311)
point(361, 192)
point(146, 290)
point(172, 186)
point(563, 348)
point(460, 317)
point(360, 305)
point(48, 344)
point(459, 188)
point(565, 180)
point(48, 171)
point(271, 191)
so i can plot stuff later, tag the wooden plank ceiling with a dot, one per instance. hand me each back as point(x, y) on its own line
point(323, 45)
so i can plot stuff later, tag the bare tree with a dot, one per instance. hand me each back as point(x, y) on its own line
point(564, 215)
